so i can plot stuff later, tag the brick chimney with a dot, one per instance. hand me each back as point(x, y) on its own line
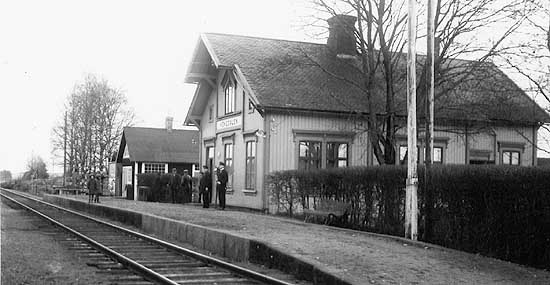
point(341, 38)
point(169, 121)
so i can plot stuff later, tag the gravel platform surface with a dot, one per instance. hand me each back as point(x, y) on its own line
point(30, 256)
point(361, 258)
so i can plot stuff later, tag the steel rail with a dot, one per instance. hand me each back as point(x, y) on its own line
point(148, 273)
point(205, 258)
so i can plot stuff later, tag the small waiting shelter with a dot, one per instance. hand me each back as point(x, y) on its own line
point(153, 150)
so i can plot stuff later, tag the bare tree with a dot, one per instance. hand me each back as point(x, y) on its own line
point(96, 116)
point(380, 34)
point(36, 169)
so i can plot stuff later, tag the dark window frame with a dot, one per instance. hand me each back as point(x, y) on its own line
point(250, 165)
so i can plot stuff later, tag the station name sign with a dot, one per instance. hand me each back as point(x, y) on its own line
point(229, 123)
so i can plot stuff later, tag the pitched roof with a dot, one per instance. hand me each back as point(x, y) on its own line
point(300, 75)
point(159, 145)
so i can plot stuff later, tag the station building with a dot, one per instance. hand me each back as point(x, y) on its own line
point(153, 150)
point(263, 105)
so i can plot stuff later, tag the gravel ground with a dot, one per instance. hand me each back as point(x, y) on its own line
point(361, 258)
point(30, 256)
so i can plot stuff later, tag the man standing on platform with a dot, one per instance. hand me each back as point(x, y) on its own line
point(222, 184)
point(174, 185)
point(187, 183)
point(206, 187)
point(92, 186)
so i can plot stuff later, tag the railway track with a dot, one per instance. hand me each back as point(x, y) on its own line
point(135, 258)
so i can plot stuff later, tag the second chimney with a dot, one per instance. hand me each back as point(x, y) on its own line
point(341, 38)
point(169, 121)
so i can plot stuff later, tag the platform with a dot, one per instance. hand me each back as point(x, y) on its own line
point(328, 255)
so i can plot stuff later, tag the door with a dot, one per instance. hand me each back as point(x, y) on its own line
point(210, 163)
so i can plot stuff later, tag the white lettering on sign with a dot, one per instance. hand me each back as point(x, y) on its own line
point(229, 123)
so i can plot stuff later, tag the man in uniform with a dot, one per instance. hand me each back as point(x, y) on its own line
point(221, 184)
point(187, 183)
point(174, 185)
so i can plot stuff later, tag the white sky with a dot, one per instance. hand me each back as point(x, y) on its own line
point(142, 47)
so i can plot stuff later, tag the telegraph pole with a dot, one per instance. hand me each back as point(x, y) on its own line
point(65, 150)
point(411, 201)
point(429, 115)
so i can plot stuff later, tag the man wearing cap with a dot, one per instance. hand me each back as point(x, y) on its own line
point(187, 185)
point(174, 185)
point(221, 184)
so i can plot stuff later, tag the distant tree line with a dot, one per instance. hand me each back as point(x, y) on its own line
point(5, 175)
point(92, 124)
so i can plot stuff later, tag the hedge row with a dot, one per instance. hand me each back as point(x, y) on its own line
point(497, 211)
point(157, 188)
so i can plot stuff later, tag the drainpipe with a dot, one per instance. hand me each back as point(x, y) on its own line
point(466, 147)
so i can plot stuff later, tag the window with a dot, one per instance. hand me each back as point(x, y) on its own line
point(230, 97)
point(438, 154)
point(337, 154)
point(153, 168)
point(228, 160)
point(250, 107)
point(403, 154)
point(309, 155)
point(250, 172)
point(510, 157)
point(210, 158)
point(126, 154)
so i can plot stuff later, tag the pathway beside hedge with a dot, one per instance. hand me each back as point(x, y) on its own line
point(361, 258)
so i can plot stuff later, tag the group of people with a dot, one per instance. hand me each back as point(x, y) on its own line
point(94, 188)
point(180, 186)
point(205, 186)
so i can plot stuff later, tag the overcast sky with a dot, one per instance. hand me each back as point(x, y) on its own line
point(142, 47)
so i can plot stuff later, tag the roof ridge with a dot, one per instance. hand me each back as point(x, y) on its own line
point(265, 38)
point(160, 129)
point(320, 44)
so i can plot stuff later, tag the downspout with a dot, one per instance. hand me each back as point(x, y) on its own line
point(466, 147)
point(534, 145)
point(495, 146)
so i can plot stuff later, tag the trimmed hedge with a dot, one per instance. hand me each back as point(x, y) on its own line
point(157, 183)
point(498, 211)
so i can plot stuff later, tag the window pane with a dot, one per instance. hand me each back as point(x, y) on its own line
point(438, 154)
point(309, 155)
point(402, 152)
point(515, 158)
point(506, 157)
point(304, 149)
point(343, 151)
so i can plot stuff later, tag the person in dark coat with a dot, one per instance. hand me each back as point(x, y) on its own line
point(174, 185)
point(187, 184)
point(221, 184)
point(205, 187)
point(91, 185)
point(93, 189)
point(98, 187)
